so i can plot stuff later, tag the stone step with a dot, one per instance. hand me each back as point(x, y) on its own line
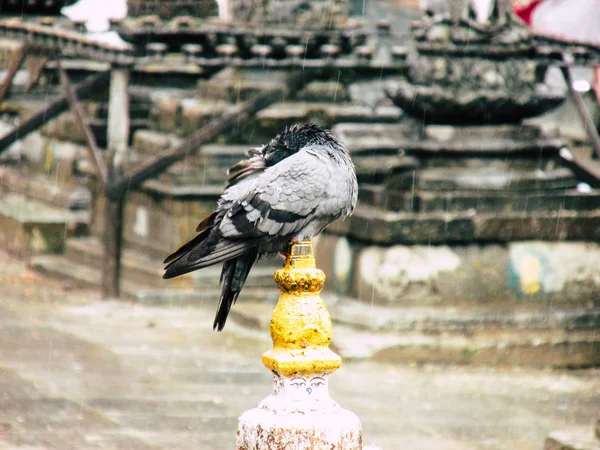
point(483, 202)
point(438, 335)
point(39, 187)
point(28, 227)
point(483, 180)
point(381, 318)
point(271, 120)
point(207, 166)
point(88, 251)
point(186, 115)
point(436, 140)
point(61, 266)
point(74, 201)
point(378, 168)
point(378, 226)
point(140, 268)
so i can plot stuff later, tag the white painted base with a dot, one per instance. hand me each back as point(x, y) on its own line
point(261, 429)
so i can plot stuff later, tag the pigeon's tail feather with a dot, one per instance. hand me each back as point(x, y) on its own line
point(186, 248)
point(204, 229)
point(204, 253)
point(233, 276)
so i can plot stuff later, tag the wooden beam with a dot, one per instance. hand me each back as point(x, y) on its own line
point(206, 134)
point(113, 241)
point(586, 169)
point(118, 114)
point(90, 86)
point(81, 117)
point(35, 65)
point(12, 71)
point(584, 114)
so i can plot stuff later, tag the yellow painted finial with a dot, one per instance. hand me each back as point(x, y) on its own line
point(301, 325)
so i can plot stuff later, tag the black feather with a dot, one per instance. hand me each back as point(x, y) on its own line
point(233, 276)
point(186, 248)
point(203, 228)
point(208, 254)
point(294, 138)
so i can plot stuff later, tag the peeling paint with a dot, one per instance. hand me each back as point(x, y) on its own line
point(392, 270)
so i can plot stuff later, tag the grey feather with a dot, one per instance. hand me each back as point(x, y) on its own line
point(292, 188)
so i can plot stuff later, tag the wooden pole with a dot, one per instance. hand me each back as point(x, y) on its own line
point(12, 71)
point(80, 115)
point(118, 141)
point(118, 114)
point(113, 240)
point(584, 114)
point(90, 86)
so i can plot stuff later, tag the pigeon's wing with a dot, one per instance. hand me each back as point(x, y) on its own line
point(280, 202)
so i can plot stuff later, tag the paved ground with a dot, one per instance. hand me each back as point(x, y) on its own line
point(79, 373)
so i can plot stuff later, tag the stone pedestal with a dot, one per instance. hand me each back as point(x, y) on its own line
point(300, 414)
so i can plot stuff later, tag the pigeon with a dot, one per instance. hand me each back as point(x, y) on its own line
point(284, 192)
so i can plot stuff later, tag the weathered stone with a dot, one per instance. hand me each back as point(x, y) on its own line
point(383, 227)
point(161, 216)
point(161, 224)
point(562, 351)
point(538, 268)
point(449, 142)
point(168, 9)
point(259, 429)
point(8, 50)
point(538, 272)
point(54, 158)
point(456, 201)
point(318, 14)
point(66, 128)
point(401, 274)
point(275, 117)
point(486, 179)
point(553, 225)
point(151, 142)
point(30, 228)
point(346, 113)
point(39, 187)
point(197, 113)
point(433, 104)
point(324, 91)
point(165, 114)
point(376, 169)
point(234, 85)
point(467, 320)
point(379, 137)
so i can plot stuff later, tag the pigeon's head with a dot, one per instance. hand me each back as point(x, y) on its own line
point(296, 137)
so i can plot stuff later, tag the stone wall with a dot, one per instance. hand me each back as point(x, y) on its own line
point(526, 272)
point(167, 9)
point(157, 224)
point(314, 14)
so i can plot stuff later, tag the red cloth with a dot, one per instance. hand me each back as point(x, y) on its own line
point(596, 83)
point(526, 11)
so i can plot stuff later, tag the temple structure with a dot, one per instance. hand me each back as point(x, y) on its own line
point(473, 232)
